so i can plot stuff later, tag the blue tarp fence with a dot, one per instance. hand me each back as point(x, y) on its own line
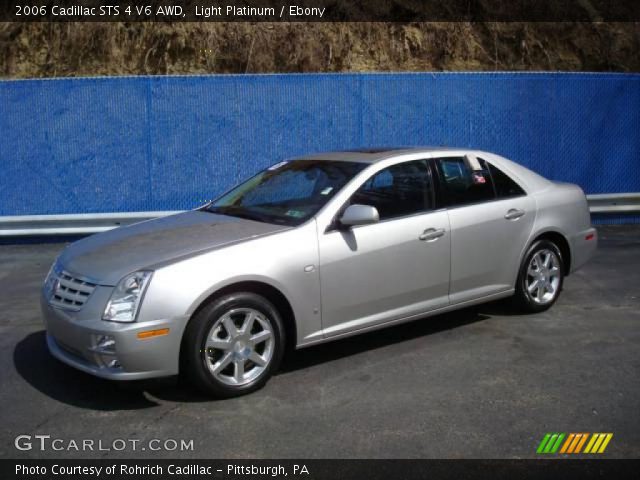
point(119, 144)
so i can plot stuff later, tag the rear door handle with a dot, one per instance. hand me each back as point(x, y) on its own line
point(514, 214)
point(431, 234)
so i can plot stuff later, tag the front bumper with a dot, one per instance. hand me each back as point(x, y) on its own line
point(74, 341)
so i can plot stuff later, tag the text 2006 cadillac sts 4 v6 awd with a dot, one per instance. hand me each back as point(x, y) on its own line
point(308, 251)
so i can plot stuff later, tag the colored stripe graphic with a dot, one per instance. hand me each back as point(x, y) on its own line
point(606, 442)
point(550, 443)
point(556, 446)
point(591, 442)
point(598, 443)
point(543, 443)
point(594, 443)
point(574, 442)
point(581, 443)
point(567, 443)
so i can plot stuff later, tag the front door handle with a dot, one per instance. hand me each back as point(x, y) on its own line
point(431, 234)
point(514, 214)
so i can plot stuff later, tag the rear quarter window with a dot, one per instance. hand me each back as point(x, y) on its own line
point(505, 186)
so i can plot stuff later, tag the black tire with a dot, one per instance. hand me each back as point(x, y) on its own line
point(196, 358)
point(524, 299)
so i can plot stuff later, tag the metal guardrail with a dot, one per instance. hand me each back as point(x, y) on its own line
point(75, 224)
point(614, 203)
point(87, 223)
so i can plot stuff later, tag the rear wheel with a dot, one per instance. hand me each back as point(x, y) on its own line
point(540, 277)
point(233, 345)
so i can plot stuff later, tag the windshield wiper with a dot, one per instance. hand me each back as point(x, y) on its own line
point(240, 212)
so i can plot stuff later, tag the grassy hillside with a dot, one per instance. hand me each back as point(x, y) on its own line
point(80, 49)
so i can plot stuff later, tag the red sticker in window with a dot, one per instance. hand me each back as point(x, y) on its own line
point(479, 178)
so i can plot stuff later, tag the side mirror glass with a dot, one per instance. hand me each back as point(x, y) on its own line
point(359, 215)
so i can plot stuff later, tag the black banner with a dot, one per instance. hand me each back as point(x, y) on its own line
point(318, 10)
point(567, 469)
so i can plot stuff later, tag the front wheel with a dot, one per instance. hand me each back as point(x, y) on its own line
point(540, 277)
point(233, 345)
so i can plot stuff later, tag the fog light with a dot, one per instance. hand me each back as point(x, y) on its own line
point(106, 344)
point(104, 350)
point(114, 364)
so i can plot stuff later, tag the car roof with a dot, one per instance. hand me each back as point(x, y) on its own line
point(531, 180)
point(373, 155)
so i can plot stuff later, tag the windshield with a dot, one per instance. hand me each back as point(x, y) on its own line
point(288, 193)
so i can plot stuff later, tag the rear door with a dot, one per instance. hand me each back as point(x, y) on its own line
point(490, 217)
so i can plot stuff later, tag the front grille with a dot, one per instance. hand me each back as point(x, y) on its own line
point(70, 293)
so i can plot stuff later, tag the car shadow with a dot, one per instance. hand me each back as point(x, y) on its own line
point(305, 358)
point(36, 366)
point(308, 357)
point(42, 371)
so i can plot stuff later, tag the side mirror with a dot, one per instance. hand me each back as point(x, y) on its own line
point(359, 215)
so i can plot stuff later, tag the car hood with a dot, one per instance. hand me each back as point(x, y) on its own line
point(107, 257)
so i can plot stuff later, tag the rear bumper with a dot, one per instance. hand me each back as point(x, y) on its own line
point(75, 342)
point(583, 247)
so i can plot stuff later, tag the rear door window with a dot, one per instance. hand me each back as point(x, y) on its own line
point(459, 185)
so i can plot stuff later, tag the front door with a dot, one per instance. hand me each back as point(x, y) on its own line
point(392, 269)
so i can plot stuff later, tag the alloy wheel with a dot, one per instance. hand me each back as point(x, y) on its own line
point(239, 346)
point(543, 276)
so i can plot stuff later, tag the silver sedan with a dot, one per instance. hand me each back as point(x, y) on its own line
point(307, 251)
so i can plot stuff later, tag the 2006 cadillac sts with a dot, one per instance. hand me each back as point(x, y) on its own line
point(308, 251)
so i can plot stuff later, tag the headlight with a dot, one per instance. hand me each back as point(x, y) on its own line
point(125, 299)
point(52, 276)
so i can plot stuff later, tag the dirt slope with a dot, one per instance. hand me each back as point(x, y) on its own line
point(80, 49)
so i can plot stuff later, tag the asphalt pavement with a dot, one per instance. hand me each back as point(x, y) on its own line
point(483, 382)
